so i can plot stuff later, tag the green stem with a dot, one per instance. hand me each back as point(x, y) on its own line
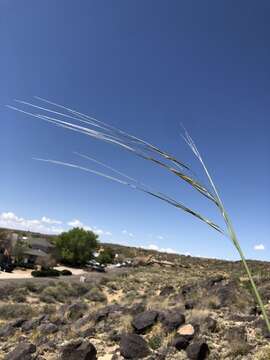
point(236, 242)
point(254, 287)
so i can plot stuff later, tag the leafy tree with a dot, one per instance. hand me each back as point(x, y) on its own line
point(76, 246)
point(19, 249)
point(107, 256)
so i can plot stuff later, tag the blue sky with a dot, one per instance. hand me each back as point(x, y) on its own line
point(143, 66)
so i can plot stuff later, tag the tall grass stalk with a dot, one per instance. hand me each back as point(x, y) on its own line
point(83, 124)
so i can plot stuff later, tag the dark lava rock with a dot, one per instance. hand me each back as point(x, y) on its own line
point(115, 336)
point(255, 310)
point(76, 311)
point(167, 290)
point(18, 322)
point(88, 332)
point(6, 330)
point(189, 305)
point(180, 342)
point(78, 349)
point(104, 312)
point(214, 281)
point(144, 321)
point(23, 351)
point(31, 324)
point(172, 319)
point(48, 328)
point(187, 289)
point(137, 308)
point(197, 351)
point(210, 324)
point(133, 346)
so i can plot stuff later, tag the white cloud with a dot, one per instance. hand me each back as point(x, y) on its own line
point(47, 220)
point(160, 237)
point(75, 223)
point(43, 225)
point(157, 248)
point(125, 232)
point(99, 232)
point(153, 247)
point(259, 247)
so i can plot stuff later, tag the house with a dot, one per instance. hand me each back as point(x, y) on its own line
point(26, 249)
point(36, 247)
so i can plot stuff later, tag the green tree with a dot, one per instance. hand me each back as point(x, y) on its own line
point(107, 256)
point(19, 249)
point(76, 246)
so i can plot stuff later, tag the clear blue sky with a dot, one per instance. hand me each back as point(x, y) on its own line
point(144, 66)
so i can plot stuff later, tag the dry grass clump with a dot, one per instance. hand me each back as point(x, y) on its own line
point(238, 347)
point(198, 316)
point(263, 354)
point(96, 295)
point(13, 311)
point(125, 325)
point(156, 338)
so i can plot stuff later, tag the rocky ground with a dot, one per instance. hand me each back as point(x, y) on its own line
point(199, 309)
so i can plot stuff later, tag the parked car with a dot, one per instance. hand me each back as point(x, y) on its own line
point(93, 265)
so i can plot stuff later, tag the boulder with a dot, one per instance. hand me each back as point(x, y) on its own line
point(133, 346)
point(167, 290)
point(78, 349)
point(23, 351)
point(211, 324)
point(7, 330)
point(189, 305)
point(172, 319)
point(137, 308)
point(197, 351)
point(180, 342)
point(31, 324)
point(187, 331)
point(76, 311)
point(48, 328)
point(144, 321)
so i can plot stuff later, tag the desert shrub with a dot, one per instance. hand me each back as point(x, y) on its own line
point(45, 273)
point(239, 348)
point(31, 286)
point(155, 341)
point(13, 311)
point(95, 295)
point(66, 272)
point(7, 290)
point(48, 299)
point(80, 289)
point(19, 295)
point(49, 310)
point(263, 354)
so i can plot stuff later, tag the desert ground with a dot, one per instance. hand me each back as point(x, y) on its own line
point(196, 309)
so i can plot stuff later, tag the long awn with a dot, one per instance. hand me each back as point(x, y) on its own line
point(76, 121)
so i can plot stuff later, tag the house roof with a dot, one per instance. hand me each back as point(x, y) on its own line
point(35, 252)
point(39, 242)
